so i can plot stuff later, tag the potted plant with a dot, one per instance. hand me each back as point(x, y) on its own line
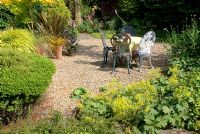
point(53, 25)
point(57, 43)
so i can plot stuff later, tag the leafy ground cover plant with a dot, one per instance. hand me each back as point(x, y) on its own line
point(57, 124)
point(169, 101)
point(177, 104)
point(18, 39)
point(122, 104)
point(23, 78)
point(78, 92)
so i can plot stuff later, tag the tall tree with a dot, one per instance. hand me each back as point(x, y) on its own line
point(77, 8)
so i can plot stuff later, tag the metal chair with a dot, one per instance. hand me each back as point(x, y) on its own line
point(121, 44)
point(128, 29)
point(106, 48)
point(144, 50)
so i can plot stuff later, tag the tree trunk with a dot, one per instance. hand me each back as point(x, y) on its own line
point(77, 6)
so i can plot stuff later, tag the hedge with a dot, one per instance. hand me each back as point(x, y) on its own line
point(23, 78)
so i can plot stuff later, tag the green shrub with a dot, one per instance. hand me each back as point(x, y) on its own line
point(149, 106)
point(57, 6)
point(23, 10)
point(27, 10)
point(120, 103)
point(88, 27)
point(187, 42)
point(185, 47)
point(186, 63)
point(178, 104)
point(72, 32)
point(18, 39)
point(110, 25)
point(85, 10)
point(57, 124)
point(23, 78)
point(6, 17)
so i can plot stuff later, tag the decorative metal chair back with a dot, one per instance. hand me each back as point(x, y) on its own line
point(128, 29)
point(120, 43)
point(148, 39)
point(146, 43)
point(103, 38)
point(106, 48)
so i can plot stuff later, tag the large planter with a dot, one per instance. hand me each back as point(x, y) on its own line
point(58, 52)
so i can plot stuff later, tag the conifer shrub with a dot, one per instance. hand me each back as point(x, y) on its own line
point(18, 39)
point(23, 78)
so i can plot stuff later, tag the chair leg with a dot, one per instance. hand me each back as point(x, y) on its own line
point(114, 63)
point(104, 59)
point(150, 63)
point(140, 62)
point(128, 64)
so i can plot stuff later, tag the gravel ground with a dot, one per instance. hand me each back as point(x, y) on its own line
point(83, 70)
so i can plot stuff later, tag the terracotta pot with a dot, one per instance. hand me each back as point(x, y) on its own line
point(58, 52)
point(39, 50)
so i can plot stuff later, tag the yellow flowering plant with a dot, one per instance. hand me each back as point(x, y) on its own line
point(57, 41)
point(151, 104)
point(26, 11)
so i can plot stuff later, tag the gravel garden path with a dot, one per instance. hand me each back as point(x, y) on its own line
point(83, 70)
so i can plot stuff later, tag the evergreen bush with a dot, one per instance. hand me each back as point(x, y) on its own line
point(18, 39)
point(6, 17)
point(23, 78)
